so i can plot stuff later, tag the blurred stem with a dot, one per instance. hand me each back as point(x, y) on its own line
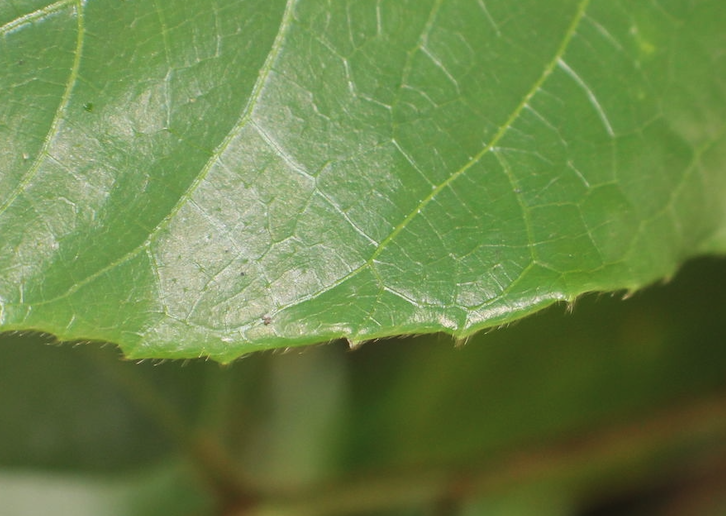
point(218, 399)
point(591, 466)
point(204, 450)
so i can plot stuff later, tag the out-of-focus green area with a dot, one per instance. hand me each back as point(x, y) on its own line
point(616, 408)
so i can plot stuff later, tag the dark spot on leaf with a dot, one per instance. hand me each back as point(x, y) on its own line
point(266, 320)
point(88, 107)
point(243, 274)
point(21, 62)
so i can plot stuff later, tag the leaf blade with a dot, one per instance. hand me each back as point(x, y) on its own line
point(359, 170)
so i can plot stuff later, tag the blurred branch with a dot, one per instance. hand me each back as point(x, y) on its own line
point(210, 460)
point(591, 466)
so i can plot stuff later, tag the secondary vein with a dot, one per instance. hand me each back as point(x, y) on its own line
point(285, 24)
point(65, 99)
point(549, 68)
point(35, 15)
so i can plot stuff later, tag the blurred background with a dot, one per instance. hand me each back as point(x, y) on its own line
point(609, 407)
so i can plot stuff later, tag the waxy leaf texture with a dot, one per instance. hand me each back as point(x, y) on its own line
point(213, 177)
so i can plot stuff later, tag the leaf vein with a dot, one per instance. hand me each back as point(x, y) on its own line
point(64, 101)
point(35, 16)
point(549, 68)
point(503, 129)
point(242, 122)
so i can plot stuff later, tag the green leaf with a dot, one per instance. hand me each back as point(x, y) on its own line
point(188, 178)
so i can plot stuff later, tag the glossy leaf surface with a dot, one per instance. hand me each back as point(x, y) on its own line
point(188, 178)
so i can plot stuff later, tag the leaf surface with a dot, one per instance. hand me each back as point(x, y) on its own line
point(190, 178)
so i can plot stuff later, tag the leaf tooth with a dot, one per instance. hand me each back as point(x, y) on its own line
point(353, 344)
